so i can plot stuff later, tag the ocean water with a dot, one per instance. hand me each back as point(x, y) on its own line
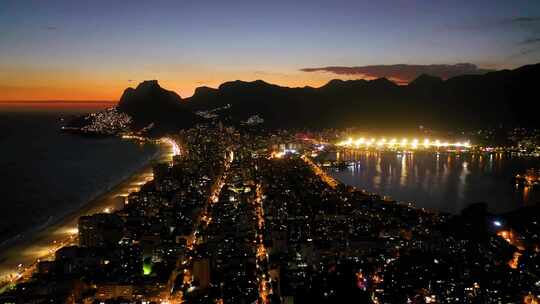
point(444, 182)
point(45, 174)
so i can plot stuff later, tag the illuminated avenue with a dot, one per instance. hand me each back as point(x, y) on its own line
point(241, 217)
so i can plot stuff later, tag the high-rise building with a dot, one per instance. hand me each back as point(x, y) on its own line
point(99, 230)
point(201, 272)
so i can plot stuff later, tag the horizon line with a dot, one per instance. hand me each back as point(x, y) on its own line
point(96, 101)
point(397, 82)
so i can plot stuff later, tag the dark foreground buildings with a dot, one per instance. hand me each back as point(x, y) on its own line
point(231, 221)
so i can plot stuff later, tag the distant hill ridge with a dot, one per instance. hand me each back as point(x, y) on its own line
point(506, 96)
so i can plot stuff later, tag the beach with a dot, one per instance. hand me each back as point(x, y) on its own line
point(19, 258)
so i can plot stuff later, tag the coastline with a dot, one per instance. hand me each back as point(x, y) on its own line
point(19, 255)
point(54, 220)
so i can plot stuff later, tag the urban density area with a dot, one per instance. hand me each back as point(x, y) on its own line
point(269, 152)
point(238, 217)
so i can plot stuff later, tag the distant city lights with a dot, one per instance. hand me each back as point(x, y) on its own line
point(395, 143)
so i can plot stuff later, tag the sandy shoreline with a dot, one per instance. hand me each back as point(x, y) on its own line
point(42, 244)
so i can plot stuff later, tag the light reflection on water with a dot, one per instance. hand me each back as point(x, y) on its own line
point(441, 181)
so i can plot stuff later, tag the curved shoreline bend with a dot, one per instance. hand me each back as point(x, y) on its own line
point(20, 257)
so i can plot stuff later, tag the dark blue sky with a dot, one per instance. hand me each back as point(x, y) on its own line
point(93, 49)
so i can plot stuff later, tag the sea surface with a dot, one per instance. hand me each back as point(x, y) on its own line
point(46, 174)
point(445, 182)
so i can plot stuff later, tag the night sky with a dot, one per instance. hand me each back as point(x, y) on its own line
point(92, 50)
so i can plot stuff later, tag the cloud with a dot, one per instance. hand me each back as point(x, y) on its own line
point(531, 41)
point(524, 32)
point(528, 25)
point(531, 27)
point(525, 25)
point(525, 52)
point(49, 28)
point(521, 20)
point(402, 73)
point(497, 24)
point(530, 51)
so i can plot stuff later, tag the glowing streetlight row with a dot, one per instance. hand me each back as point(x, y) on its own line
point(405, 142)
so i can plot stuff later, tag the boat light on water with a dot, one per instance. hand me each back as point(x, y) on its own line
point(531, 178)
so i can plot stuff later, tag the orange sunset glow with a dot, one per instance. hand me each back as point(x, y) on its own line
point(27, 86)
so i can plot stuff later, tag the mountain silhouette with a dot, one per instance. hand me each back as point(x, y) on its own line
point(501, 97)
point(150, 103)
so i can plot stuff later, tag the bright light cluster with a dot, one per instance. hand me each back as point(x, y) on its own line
point(394, 143)
point(174, 146)
point(109, 121)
